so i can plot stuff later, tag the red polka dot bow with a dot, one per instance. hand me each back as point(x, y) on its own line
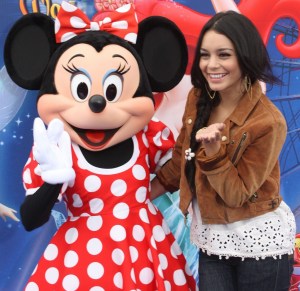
point(71, 21)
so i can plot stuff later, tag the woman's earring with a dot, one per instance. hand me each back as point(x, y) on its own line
point(247, 83)
point(209, 94)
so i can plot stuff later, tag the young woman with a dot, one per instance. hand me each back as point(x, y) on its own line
point(225, 163)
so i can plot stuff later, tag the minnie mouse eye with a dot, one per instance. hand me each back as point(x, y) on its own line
point(113, 86)
point(80, 87)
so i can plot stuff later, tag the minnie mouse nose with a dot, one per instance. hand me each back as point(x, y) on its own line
point(97, 103)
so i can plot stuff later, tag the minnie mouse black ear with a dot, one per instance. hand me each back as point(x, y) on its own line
point(163, 50)
point(28, 48)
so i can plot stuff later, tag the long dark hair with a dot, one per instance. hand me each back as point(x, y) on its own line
point(253, 60)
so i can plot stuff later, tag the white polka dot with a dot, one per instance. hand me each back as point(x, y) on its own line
point(71, 259)
point(56, 25)
point(118, 256)
point(118, 188)
point(94, 26)
point(165, 227)
point(68, 7)
point(158, 233)
point(163, 261)
point(95, 270)
point(136, 18)
point(94, 246)
point(66, 36)
point(175, 249)
point(106, 20)
point(28, 161)
point(35, 269)
point(118, 280)
point(146, 275)
point(27, 177)
point(37, 171)
point(139, 172)
point(179, 278)
point(188, 270)
point(141, 194)
point(96, 205)
point(94, 223)
point(96, 288)
point(92, 183)
point(134, 254)
point(138, 233)
point(160, 272)
point(165, 133)
point(124, 8)
point(131, 37)
point(121, 24)
point(118, 233)
point(153, 243)
point(149, 255)
point(77, 22)
point(156, 139)
point(147, 160)
point(121, 211)
point(31, 286)
point(132, 275)
point(70, 283)
point(152, 208)
point(157, 156)
point(143, 215)
point(51, 275)
point(71, 235)
point(51, 252)
point(167, 286)
point(145, 140)
point(77, 202)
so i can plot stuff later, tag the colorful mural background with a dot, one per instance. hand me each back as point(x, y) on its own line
point(278, 22)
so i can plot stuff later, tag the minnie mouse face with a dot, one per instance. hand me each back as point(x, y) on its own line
point(96, 77)
point(95, 96)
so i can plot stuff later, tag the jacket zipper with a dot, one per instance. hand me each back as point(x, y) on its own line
point(239, 147)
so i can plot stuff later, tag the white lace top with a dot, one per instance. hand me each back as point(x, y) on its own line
point(270, 234)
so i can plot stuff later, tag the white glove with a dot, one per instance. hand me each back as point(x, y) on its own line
point(52, 150)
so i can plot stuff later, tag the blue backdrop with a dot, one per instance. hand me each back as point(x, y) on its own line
point(20, 250)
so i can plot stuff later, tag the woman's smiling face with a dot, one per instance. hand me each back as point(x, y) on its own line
point(219, 63)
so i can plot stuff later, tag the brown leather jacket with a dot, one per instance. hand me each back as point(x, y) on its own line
point(243, 179)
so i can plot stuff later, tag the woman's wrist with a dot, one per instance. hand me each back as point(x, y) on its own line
point(157, 188)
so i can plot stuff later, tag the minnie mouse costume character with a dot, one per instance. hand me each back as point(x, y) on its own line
point(99, 148)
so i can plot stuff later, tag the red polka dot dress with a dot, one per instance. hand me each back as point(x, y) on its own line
point(114, 237)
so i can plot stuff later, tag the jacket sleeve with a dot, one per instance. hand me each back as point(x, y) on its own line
point(236, 183)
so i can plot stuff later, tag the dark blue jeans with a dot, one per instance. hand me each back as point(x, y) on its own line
point(233, 274)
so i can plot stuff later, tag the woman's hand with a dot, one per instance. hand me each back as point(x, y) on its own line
point(211, 138)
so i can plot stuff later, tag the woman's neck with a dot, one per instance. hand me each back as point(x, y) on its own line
point(227, 105)
point(230, 99)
